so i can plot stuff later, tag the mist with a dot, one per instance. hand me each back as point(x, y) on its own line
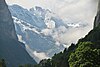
point(83, 11)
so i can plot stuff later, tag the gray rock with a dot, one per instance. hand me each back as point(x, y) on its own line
point(10, 48)
point(97, 18)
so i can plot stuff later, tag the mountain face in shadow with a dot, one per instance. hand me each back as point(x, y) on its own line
point(11, 49)
point(6, 22)
point(97, 18)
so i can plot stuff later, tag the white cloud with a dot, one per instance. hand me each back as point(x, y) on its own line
point(40, 55)
point(72, 35)
point(75, 10)
point(46, 32)
point(37, 55)
point(24, 3)
point(20, 39)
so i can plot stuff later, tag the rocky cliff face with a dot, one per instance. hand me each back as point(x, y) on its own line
point(6, 23)
point(10, 48)
point(97, 18)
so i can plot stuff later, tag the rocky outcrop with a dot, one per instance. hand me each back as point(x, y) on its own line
point(97, 18)
point(6, 22)
point(10, 48)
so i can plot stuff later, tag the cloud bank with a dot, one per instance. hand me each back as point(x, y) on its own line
point(73, 9)
point(82, 11)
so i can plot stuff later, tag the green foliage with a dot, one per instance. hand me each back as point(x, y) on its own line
point(2, 63)
point(27, 65)
point(36, 65)
point(86, 55)
point(93, 35)
point(58, 60)
point(45, 63)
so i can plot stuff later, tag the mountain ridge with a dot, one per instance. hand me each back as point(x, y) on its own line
point(97, 20)
point(85, 53)
point(41, 28)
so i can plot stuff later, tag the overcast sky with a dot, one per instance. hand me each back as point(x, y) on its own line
point(75, 10)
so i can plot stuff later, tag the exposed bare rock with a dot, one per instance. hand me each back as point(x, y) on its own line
point(10, 48)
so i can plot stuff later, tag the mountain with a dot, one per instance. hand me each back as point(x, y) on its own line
point(94, 35)
point(87, 50)
point(11, 49)
point(40, 29)
point(97, 18)
point(85, 53)
point(97, 24)
point(35, 30)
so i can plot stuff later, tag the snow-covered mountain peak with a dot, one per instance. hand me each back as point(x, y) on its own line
point(42, 30)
